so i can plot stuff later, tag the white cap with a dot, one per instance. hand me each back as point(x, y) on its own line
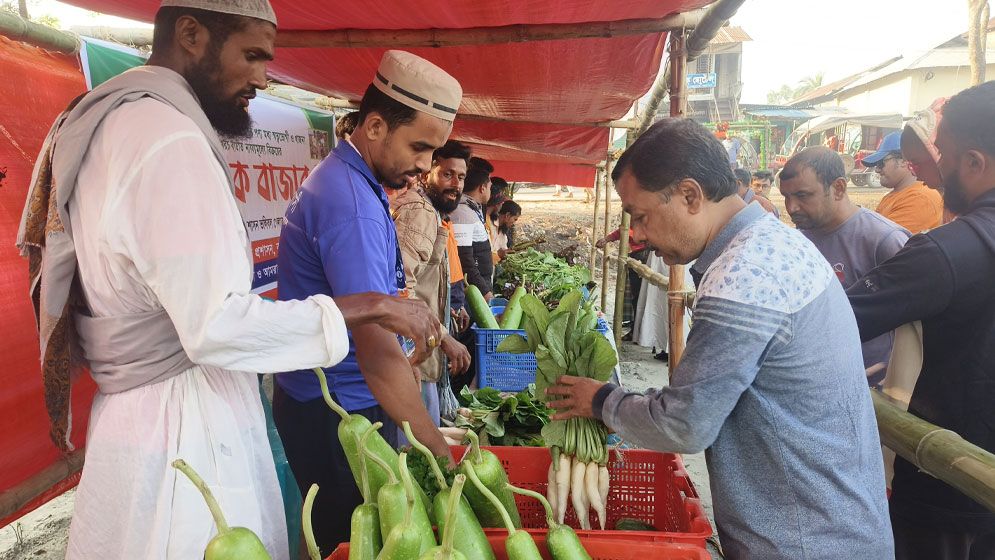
point(419, 84)
point(259, 9)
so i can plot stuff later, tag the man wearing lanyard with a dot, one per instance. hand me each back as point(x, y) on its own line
point(339, 239)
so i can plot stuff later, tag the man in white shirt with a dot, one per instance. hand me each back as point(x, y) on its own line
point(144, 215)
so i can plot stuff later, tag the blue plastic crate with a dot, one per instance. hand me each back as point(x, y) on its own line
point(503, 371)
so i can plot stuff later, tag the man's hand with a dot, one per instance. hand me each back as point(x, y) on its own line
point(463, 319)
point(459, 356)
point(577, 397)
point(407, 317)
point(601, 243)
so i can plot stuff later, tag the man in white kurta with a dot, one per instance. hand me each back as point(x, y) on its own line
point(156, 231)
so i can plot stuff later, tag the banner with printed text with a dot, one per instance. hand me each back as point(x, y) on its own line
point(267, 169)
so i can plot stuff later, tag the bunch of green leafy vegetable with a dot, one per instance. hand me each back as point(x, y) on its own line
point(565, 342)
point(543, 274)
point(422, 474)
point(501, 419)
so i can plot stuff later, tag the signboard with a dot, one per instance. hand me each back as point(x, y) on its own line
point(267, 169)
point(701, 81)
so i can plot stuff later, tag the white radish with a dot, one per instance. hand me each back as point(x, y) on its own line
point(603, 481)
point(594, 493)
point(551, 487)
point(562, 487)
point(578, 494)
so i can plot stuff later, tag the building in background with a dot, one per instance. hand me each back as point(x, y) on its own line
point(715, 78)
point(904, 84)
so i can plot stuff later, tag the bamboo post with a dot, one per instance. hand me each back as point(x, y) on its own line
point(594, 224)
point(938, 452)
point(977, 37)
point(604, 250)
point(675, 297)
point(15, 28)
point(621, 277)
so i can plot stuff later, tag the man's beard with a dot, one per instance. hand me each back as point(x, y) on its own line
point(226, 116)
point(954, 198)
point(441, 202)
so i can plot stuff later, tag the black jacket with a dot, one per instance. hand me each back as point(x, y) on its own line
point(946, 279)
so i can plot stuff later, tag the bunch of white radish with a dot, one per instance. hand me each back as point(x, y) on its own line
point(566, 342)
point(578, 473)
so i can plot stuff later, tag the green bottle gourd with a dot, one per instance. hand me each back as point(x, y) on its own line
point(365, 538)
point(488, 467)
point(231, 543)
point(562, 542)
point(519, 545)
point(312, 545)
point(447, 550)
point(470, 537)
point(412, 536)
point(351, 428)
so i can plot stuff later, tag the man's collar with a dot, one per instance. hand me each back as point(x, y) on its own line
point(347, 152)
point(717, 246)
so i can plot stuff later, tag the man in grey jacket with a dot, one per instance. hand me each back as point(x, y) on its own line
point(772, 383)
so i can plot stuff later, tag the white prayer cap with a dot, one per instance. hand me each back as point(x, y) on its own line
point(259, 9)
point(419, 84)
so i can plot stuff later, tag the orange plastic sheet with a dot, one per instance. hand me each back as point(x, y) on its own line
point(539, 100)
point(35, 87)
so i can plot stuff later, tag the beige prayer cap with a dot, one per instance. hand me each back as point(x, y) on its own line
point(259, 9)
point(419, 84)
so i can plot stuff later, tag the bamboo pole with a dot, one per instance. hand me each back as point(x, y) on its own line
point(938, 452)
point(621, 277)
point(604, 250)
point(16, 28)
point(14, 499)
point(977, 38)
point(594, 224)
point(647, 273)
point(410, 38)
point(676, 296)
point(522, 33)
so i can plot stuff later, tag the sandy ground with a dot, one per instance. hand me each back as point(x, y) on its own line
point(565, 223)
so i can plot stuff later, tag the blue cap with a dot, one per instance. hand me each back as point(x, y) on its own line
point(891, 143)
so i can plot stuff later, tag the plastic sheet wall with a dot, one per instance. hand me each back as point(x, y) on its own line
point(34, 87)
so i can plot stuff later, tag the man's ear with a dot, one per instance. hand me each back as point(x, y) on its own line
point(973, 164)
point(374, 127)
point(692, 195)
point(839, 188)
point(191, 37)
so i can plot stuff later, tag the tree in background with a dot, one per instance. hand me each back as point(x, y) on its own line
point(786, 94)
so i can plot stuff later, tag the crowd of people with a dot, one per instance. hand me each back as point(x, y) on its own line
point(791, 325)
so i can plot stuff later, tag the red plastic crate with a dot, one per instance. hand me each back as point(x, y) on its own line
point(650, 486)
point(599, 549)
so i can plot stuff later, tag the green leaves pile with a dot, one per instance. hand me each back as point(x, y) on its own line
point(544, 274)
point(504, 420)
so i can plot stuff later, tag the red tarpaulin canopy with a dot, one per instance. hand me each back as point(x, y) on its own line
point(553, 92)
point(530, 108)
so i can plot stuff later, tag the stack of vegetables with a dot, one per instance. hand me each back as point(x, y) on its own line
point(565, 342)
point(483, 316)
point(544, 274)
point(503, 419)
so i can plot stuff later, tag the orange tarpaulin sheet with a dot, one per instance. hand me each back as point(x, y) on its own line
point(36, 86)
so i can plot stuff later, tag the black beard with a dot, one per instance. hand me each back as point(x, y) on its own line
point(953, 195)
point(442, 204)
point(225, 115)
